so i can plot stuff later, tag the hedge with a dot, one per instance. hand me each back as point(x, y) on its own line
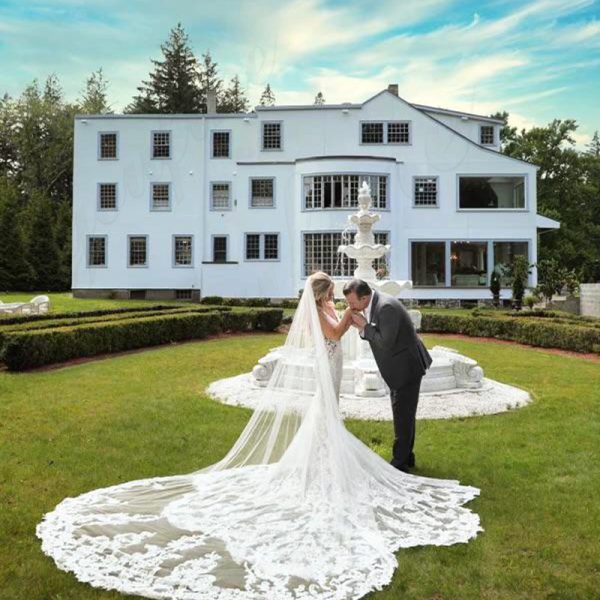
point(526, 331)
point(25, 350)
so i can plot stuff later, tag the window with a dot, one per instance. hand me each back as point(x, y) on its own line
point(220, 197)
point(108, 146)
point(486, 135)
point(182, 250)
point(397, 132)
point(107, 196)
point(504, 255)
point(468, 264)
point(161, 196)
point(271, 135)
point(220, 144)
point(262, 192)
point(341, 191)
point(262, 246)
point(491, 192)
point(220, 248)
point(425, 191)
point(320, 254)
point(385, 132)
point(428, 264)
point(138, 251)
point(161, 144)
point(96, 251)
point(183, 294)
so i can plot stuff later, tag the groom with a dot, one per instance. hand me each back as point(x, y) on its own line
point(401, 357)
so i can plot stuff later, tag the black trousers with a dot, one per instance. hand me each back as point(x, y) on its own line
point(404, 410)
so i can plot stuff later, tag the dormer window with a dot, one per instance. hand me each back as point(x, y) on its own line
point(486, 135)
point(385, 132)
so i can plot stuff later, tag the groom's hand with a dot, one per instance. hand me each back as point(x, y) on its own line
point(358, 320)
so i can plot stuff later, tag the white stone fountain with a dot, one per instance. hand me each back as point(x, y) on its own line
point(453, 386)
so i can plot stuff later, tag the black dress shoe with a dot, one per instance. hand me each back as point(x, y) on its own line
point(404, 467)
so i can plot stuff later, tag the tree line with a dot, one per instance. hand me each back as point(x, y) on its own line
point(36, 165)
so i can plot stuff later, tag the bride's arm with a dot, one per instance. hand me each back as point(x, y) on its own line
point(336, 331)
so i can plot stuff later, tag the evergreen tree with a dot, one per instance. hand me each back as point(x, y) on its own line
point(42, 251)
point(593, 147)
point(208, 79)
point(234, 98)
point(94, 97)
point(8, 146)
point(16, 274)
point(267, 98)
point(319, 99)
point(63, 235)
point(172, 85)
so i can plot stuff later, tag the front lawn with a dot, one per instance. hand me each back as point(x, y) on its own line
point(144, 414)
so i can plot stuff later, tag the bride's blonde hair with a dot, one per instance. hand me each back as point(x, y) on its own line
point(321, 283)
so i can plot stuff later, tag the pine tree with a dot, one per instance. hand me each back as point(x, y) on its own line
point(319, 99)
point(208, 79)
point(267, 98)
point(16, 274)
point(63, 235)
point(42, 251)
point(234, 98)
point(172, 86)
point(593, 147)
point(94, 98)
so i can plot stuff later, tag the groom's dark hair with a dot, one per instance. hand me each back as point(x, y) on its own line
point(358, 286)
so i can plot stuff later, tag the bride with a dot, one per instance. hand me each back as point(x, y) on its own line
point(299, 508)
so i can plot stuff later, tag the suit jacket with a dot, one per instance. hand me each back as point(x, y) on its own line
point(399, 352)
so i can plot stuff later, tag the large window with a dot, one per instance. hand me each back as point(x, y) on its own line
point(96, 251)
point(341, 191)
point(385, 132)
point(107, 196)
point(108, 146)
point(492, 192)
point(220, 144)
point(161, 144)
point(504, 255)
point(262, 246)
point(220, 195)
point(262, 192)
point(182, 250)
point(320, 254)
point(138, 251)
point(161, 196)
point(468, 264)
point(428, 263)
point(271, 135)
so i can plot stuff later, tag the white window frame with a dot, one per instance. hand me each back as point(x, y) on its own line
point(437, 191)
point(261, 246)
point(174, 262)
point(385, 141)
point(494, 210)
point(87, 250)
point(493, 142)
point(250, 198)
point(169, 131)
point(212, 248)
point(211, 196)
point(212, 144)
point(99, 143)
point(347, 173)
point(169, 187)
point(138, 235)
point(99, 196)
point(262, 136)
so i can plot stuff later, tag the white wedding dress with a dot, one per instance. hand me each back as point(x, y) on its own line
point(299, 508)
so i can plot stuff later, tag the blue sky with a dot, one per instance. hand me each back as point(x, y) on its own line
point(537, 59)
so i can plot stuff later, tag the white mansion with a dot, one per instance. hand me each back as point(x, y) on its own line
point(248, 205)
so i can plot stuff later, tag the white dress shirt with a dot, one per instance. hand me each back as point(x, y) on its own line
point(367, 314)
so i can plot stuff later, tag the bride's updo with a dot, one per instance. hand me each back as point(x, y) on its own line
point(321, 284)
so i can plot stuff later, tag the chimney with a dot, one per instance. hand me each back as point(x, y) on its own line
point(393, 88)
point(211, 101)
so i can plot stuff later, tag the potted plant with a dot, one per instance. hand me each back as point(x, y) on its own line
point(495, 287)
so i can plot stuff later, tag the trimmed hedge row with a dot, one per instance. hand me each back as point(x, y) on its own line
point(532, 332)
point(25, 350)
point(249, 302)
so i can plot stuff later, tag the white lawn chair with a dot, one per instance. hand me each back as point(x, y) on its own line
point(41, 304)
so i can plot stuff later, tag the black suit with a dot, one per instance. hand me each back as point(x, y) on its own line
point(402, 360)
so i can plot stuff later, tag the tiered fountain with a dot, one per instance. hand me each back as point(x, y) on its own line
point(453, 386)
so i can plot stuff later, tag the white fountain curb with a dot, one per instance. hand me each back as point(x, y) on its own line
point(492, 398)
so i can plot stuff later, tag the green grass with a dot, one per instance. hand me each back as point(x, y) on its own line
point(69, 430)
